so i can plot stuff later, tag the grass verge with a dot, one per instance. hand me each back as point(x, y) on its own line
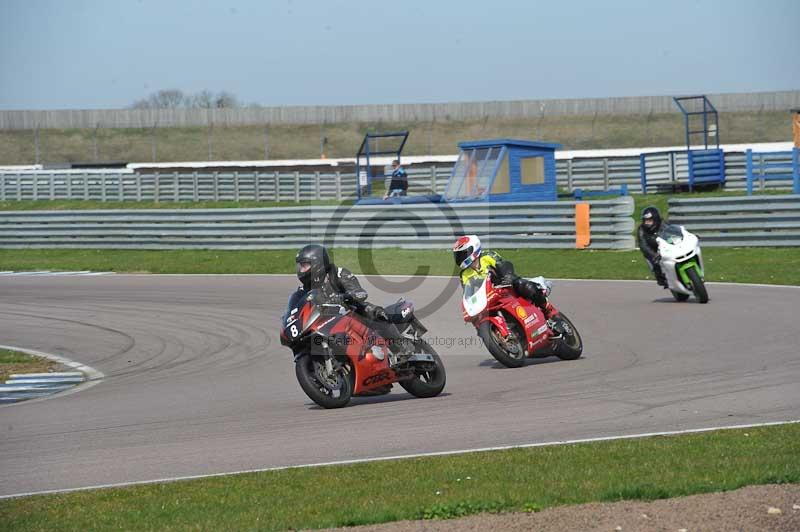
point(738, 265)
point(430, 488)
point(16, 362)
point(342, 140)
point(640, 201)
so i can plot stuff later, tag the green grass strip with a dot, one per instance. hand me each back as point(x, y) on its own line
point(16, 362)
point(740, 265)
point(431, 488)
point(641, 201)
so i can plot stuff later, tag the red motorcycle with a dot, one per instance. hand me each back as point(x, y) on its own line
point(337, 354)
point(513, 328)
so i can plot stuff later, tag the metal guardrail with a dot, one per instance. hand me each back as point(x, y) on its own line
point(665, 169)
point(773, 166)
point(740, 221)
point(216, 186)
point(670, 169)
point(503, 225)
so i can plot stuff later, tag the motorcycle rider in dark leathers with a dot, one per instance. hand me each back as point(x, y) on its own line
point(339, 286)
point(646, 237)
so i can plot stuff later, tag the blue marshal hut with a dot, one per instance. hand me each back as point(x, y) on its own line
point(504, 170)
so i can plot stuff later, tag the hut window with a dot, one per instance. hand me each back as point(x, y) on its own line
point(532, 170)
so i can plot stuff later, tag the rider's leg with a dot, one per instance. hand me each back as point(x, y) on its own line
point(661, 279)
point(398, 343)
point(533, 292)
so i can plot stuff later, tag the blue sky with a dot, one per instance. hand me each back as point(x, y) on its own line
point(106, 54)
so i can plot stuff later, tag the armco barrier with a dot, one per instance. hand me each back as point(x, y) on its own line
point(505, 225)
point(740, 221)
point(665, 169)
point(782, 166)
point(215, 186)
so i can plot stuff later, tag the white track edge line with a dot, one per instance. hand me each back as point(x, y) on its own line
point(403, 457)
point(93, 376)
point(409, 277)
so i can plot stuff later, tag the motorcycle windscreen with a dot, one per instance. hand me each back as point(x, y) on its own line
point(671, 234)
point(475, 296)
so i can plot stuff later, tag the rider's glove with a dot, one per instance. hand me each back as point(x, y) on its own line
point(381, 314)
point(337, 298)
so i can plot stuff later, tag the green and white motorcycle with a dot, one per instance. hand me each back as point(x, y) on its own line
point(682, 262)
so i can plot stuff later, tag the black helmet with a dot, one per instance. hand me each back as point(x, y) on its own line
point(312, 265)
point(651, 219)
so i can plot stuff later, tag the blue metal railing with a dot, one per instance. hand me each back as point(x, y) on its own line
point(705, 167)
point(773, 166)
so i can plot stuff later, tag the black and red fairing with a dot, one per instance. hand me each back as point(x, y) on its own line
point(344, 331)
point(300, 318)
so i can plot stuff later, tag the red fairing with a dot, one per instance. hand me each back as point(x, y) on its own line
point(502, 303)
point(370, 371)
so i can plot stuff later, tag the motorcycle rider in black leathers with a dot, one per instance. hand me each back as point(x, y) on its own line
point(646, 236)
point(339, 286)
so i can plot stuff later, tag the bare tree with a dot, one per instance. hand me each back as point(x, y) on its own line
point(163, 99)
point(174, 98)
point(226, 100)
point(203, 100)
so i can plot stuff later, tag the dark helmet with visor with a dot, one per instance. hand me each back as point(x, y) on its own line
point(651, 220)
point(312, 265)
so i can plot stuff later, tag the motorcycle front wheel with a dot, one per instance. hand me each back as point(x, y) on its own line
point(508, 351)
point(328, 390)
point(698, 287)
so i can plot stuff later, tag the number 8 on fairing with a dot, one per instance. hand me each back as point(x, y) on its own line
point(294, 331)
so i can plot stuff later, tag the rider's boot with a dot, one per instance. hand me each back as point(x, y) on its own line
point(549, 310)
point(400, 347)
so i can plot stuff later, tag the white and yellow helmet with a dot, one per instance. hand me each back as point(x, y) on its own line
point(466, 250)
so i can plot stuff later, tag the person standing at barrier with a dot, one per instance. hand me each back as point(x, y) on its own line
point(646, 237)
point(399, 183)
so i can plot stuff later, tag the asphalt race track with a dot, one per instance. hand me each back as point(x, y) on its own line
point(196, 381)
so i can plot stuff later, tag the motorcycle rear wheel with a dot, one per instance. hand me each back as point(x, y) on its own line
point(307, 369)
point(494, 343)
point(427, 382)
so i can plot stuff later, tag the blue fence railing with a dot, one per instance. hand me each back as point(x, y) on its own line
point(662, 169)
point(706, 167)
point(773, 166)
